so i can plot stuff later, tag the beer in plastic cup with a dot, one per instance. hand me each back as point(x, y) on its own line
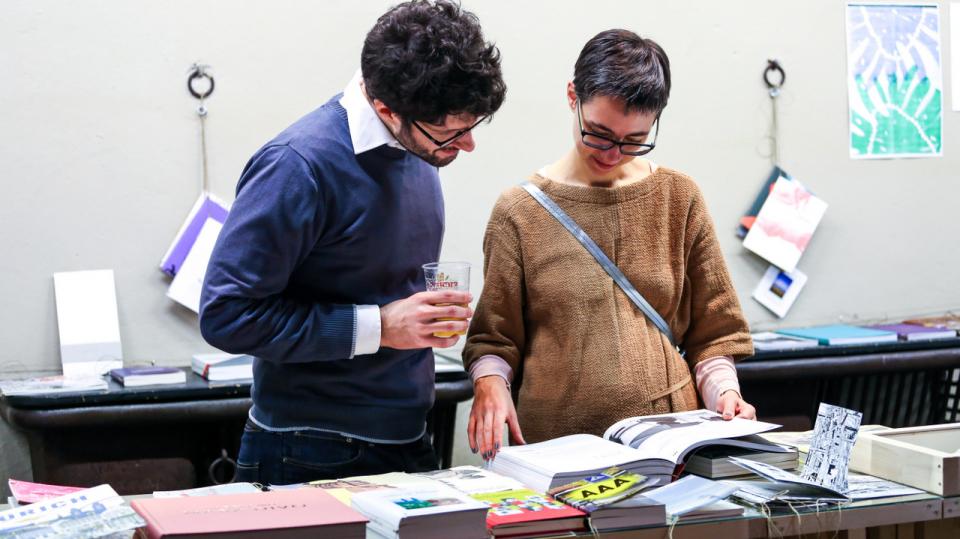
point(447, 276)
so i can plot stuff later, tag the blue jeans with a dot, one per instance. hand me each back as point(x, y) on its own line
point(283, 458)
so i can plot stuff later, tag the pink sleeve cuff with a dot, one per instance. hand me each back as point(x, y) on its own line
point(491, 365)
point(716, 376)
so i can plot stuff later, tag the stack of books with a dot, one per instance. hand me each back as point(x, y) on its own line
point(422, 512)
point(714, 462)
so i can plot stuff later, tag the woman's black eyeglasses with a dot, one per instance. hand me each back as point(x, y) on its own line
point(601, 142)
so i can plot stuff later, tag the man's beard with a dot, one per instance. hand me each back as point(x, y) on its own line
point(406, 138)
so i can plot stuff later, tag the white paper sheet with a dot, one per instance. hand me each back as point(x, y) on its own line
point(87, 322)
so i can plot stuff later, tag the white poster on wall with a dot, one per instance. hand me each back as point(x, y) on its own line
point(955, 55)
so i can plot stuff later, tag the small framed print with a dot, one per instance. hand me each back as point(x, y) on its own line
point(778, 289)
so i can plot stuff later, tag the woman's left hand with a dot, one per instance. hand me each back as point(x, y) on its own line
point(731, 405)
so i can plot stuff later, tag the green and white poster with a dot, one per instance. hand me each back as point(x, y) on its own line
point(894, 80)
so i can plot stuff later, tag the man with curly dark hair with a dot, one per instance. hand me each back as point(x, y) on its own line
point(317, 271)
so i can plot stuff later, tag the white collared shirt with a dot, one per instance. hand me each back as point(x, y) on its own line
point(366, 133)
point(366, 129)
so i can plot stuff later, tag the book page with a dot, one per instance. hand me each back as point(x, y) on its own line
point(473, 480)
point(572, 453)
point(672, 436)
point(690, 493)
point(776, 475)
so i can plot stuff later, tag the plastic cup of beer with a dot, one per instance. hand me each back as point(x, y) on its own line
point(447, 276)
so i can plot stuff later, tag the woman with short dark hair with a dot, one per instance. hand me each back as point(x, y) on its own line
point(552, 321)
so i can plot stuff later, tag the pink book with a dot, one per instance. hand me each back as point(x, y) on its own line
point(26, 492)
point(281, 514)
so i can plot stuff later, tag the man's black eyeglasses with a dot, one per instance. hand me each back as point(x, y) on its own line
point(602, 142)
point(458, 134)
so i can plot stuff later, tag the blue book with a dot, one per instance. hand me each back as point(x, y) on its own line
point(842, 334)
point(148, 376)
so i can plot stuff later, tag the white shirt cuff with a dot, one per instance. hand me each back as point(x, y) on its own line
point(368, 330)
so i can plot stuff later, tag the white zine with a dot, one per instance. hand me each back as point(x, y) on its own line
point(828, 458)
point(785, 224)
point(87, 322)
point(188, 283)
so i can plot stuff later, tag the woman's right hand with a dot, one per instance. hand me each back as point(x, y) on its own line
point(492, 408)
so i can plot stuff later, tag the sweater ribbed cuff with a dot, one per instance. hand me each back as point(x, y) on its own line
point(491, 365)
point(715, 376)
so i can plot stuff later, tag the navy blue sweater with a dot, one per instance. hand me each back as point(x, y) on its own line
point(314, 231)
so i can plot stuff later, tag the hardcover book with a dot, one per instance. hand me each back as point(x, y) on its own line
point(220, 366)
point(840, 334)
point(525, 512)
point(287, 514)
point(914, 332)
point(148, 376)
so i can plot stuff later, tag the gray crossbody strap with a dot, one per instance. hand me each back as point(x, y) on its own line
point(605, 262)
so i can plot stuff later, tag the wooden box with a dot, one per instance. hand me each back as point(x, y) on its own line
point(926, 457)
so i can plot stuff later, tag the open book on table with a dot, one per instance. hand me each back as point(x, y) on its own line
point(650, 445)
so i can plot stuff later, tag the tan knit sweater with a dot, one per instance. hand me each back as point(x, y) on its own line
point(584, 355)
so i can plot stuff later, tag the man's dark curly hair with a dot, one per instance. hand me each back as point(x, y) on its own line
point(620, 64)
point(426, 60)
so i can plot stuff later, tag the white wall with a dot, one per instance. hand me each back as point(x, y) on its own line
point(99, 143)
